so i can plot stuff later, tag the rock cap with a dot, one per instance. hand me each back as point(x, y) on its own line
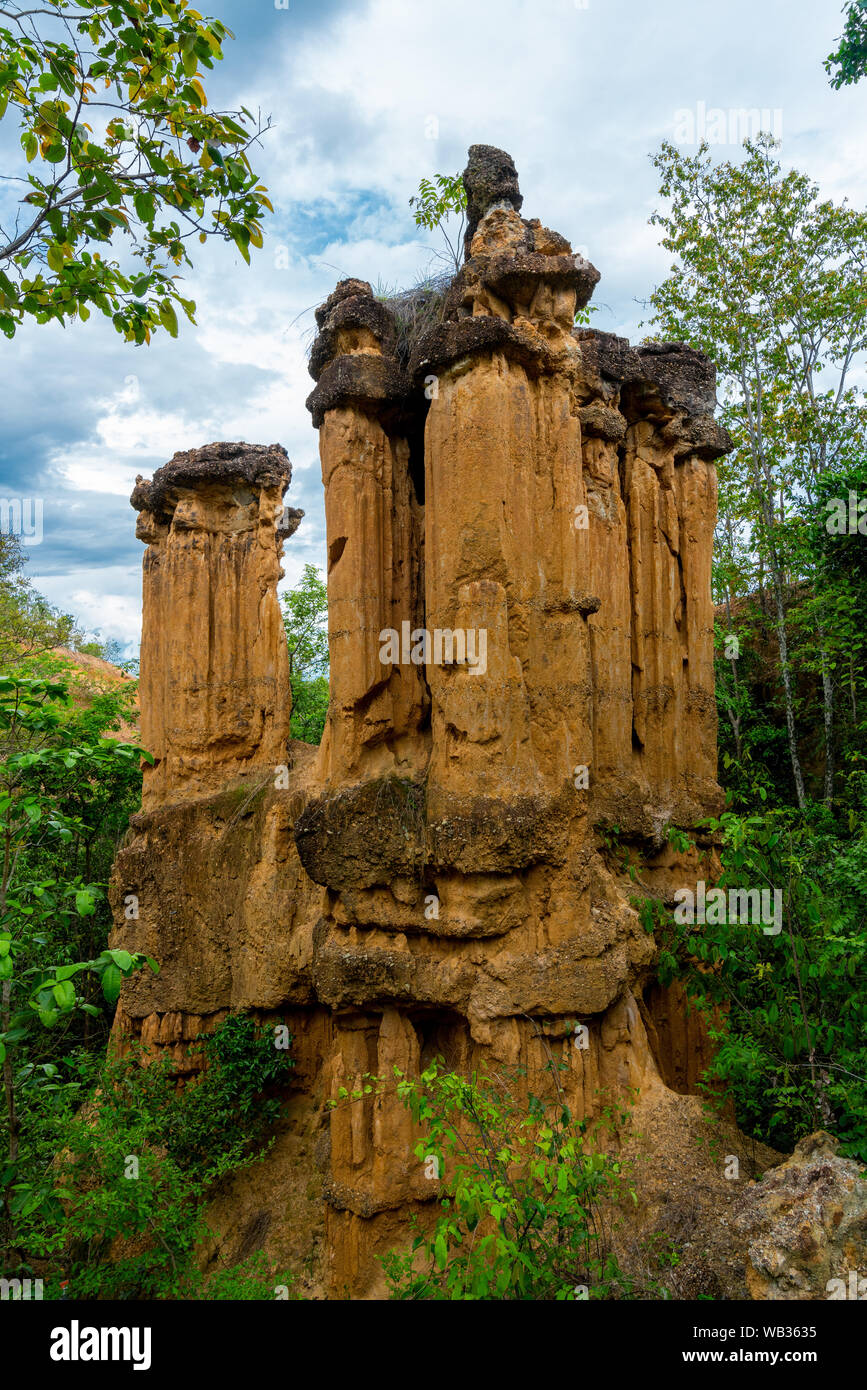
point(259, 465)
point(489, 178)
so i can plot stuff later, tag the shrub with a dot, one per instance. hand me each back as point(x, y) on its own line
point(141, 1160)
point(528, 1195)
point(792, 1049)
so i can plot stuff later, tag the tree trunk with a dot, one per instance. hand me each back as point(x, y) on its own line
point(8, 1078)
point(786, 674)
point(734, 720)
point(828, 716)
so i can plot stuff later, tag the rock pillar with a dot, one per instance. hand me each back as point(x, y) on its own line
point(374, 529)
point(215, 696)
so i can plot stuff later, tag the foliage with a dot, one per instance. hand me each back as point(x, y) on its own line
point(848, 63)
point(416, 311)
point(252, 1280)
point(435, 203)
point(309, 708)
point(243, 1066)
point(767, 279)
point(51, 778)
point(29, 625)
point(123, 1211)
point(122, 151)
point(752, 733)
point(527, 1195)
point(304, 614)
point(793, 1044)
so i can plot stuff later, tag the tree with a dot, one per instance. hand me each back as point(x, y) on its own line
point(434, 204)
point(839, 563)
point(29, 625)
point(304, 613)
point(39, 983)
point(848, 63)
point(768, 280)
point(120, 149)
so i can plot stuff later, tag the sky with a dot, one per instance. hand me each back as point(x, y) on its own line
point(365, 98)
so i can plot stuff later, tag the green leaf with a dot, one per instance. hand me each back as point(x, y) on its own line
point(144, 206)
point(169, 319)
point(241, 239)
point(64, 994)
point(111, 980)
point(66, 972)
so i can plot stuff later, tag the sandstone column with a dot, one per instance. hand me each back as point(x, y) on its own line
point(504, 559)
point(373, 521)
point(215, 696)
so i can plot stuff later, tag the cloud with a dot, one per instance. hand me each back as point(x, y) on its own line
point(365, 99)
point(104, 603)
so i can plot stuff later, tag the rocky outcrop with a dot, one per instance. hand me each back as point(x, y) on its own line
point(214, 670)
point(519, 523)
point(806, 1223)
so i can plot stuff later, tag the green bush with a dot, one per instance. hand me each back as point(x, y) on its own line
point(792, 1047)
point(139, 1162)
point(528, 1197)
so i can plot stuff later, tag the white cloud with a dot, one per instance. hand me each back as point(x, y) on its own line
point(580, 97)
point(105, 601)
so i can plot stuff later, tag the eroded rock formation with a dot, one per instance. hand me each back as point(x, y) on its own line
point(807, 1226)
point(520, 516)
point(215, 673)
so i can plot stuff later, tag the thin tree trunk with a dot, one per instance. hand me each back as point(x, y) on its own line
point(763, 483)
point(828, 714)
point(734, 720)
point(786, 674)
point(8, 1079)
